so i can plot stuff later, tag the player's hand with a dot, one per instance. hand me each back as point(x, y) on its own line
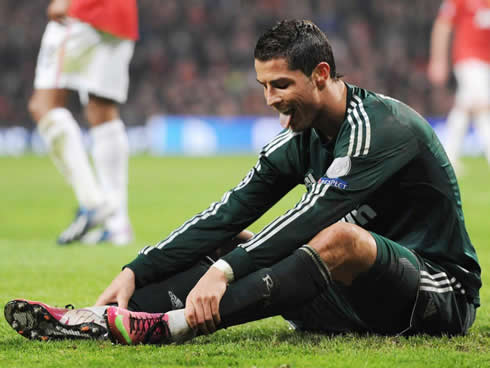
point(120, 290)
point(202, 303)
point(58, 10)
point(438, 72)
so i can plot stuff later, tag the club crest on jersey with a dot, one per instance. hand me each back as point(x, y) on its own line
point(339, 167)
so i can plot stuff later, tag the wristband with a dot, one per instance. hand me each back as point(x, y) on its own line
point(224, 266)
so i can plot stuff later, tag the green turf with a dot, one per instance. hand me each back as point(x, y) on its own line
point(35, 204)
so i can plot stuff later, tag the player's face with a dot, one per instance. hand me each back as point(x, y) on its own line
point(290, 92)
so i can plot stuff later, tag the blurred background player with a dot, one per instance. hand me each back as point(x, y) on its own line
point(469, 21)
point(87, 47)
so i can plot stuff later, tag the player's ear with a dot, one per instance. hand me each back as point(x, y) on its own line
point(321, 74)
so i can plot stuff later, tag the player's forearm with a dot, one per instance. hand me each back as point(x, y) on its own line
point(199, 236)
point(440, 41)
point(157, 263)
point(297, 227)
point(261, 188)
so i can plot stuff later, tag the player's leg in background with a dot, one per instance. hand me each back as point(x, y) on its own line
point(456, 126)
point(110, 154)
point(481, 110)
point(459, 117)
point(63, 137)
point(107, 86)
point(54, 77)
point(482, 122)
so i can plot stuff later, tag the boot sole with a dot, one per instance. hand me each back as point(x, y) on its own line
point(34, 322)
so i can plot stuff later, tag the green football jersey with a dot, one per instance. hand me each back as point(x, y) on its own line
point(386, 171)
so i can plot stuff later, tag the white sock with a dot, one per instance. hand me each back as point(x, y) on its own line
point(457, 125)
point(110, 153)
point(85, 315)
point(177, 324)
point(482, 122)
point(63, 137)
point(99, 309)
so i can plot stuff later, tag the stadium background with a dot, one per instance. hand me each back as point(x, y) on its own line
point(193, 68)
point(192, 72)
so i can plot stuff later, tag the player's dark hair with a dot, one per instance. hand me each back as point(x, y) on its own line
point(300, 42)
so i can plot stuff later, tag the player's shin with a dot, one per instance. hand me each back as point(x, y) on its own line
point(110, 153)
point(482, 120)
point(63, 137)
point(271, 291)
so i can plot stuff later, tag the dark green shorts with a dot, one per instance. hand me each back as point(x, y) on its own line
point(402, 293)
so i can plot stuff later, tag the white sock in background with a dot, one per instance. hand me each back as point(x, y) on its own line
point(63, 137)
point(110, 153)
point(457, 126)
point(482, 122)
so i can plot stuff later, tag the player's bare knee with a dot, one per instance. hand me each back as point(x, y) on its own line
point(334, 244)
point(101, 110)
point(36, 108)
point(42, 101)
point(347, 249)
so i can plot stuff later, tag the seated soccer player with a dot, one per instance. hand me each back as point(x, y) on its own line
point(377, 244)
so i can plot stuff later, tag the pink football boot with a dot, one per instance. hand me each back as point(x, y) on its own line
point(132, 328)
point(38, 321)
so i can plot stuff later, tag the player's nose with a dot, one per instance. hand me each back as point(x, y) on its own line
point(272, 98)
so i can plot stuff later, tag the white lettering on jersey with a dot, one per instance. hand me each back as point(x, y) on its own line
point(361, 216)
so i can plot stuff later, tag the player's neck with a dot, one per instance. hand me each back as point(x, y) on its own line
point(332, 114)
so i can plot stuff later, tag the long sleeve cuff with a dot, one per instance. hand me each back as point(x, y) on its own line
point(141, 268)
point(240, 261)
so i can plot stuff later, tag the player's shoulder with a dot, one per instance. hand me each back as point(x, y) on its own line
point(280, 143)
point(374, 121)
point(381, 109)
point(364, 102)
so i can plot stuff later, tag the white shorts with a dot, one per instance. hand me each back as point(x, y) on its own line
point(473, 78)
point(78, 57)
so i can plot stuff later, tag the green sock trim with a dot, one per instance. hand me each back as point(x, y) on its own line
point(122, 330)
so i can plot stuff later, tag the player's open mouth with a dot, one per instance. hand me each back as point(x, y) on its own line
point(285, 118)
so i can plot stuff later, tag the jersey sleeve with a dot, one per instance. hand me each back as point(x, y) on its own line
point(371, 146)
point(267, 182)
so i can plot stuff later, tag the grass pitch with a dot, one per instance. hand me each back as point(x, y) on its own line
point(35, 205)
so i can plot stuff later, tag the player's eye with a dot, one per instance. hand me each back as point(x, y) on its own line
point(281, 85)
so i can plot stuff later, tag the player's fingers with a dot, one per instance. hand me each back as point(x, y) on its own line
point(107, 297)
point(190, 315)
point(200, 320)
point(208, 316)
point(215, 312)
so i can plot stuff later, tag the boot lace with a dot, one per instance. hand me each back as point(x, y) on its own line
point(148, 327)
